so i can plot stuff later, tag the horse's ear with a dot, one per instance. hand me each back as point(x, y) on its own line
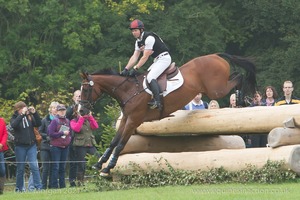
point(84, 75)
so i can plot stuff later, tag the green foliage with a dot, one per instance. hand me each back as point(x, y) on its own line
point(6, 109)
point(107, 130)
point(34, 98)
point(45, 44)
point(190, 29)
point(135, 6)
point(112, 113)
point(271, 173)
point(271, 39)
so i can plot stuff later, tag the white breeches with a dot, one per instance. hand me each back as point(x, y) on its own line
point(159, 65)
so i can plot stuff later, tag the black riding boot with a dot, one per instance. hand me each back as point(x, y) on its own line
point(155, 102)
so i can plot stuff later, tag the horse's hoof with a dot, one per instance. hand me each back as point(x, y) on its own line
point(105, 175)
point(105, 172)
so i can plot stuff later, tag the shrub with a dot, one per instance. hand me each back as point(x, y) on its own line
point(272, 172)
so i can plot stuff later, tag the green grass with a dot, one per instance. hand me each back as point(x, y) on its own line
point(288, 191)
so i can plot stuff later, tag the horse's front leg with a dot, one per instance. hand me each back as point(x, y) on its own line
point(107, 153)
point(113, 161)
point(111, 147)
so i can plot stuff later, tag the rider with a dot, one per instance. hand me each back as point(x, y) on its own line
point(151, 45)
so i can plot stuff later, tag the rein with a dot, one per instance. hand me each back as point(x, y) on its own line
point(137, 84)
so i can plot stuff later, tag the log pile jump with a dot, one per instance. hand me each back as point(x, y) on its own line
point(206, 139)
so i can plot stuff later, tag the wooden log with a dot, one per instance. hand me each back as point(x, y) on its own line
point(231, 160)
point(232, 121)
point(156, 144)
point(283, 136)
point(289, 123)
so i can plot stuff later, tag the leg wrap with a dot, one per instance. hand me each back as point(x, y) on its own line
point(106, 155)
point(115, 156)
point(113, 162)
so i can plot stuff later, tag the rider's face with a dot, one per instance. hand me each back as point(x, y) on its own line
point(136, 33)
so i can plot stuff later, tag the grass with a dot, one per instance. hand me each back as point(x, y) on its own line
point(288, 191)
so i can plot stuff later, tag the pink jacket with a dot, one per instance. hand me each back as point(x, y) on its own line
point(77, 123)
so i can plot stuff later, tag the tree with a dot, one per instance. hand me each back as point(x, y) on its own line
point(271, 29)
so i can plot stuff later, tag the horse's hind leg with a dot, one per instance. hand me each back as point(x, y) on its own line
point(234, 82)
point(221, 90)
point(237, 78)
point(233, 75)
point(238, 89)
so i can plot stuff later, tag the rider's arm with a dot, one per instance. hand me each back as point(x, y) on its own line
point(144, 58)
point(134, 58)
point(148, 50)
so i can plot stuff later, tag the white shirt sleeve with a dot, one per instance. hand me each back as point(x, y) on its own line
point(136, 47)
point(149, 42)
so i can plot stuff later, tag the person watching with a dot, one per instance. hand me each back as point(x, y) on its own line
point(288, 98)
point(197, 103)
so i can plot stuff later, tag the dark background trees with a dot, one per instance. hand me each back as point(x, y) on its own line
point(44, 44)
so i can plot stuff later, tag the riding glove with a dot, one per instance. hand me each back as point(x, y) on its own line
point(133, 72)
point(125, 72)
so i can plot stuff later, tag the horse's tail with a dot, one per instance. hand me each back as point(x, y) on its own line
point(248, 65)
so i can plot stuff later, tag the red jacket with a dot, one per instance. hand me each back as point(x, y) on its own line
point(3, 135)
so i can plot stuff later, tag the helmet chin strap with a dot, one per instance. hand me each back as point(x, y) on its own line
point(141, 32)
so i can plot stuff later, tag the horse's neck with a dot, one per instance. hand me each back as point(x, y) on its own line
point(120, 88)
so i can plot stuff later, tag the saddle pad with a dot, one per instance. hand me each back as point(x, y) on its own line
point(172, 84)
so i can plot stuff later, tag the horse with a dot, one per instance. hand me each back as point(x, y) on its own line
point(209, 74)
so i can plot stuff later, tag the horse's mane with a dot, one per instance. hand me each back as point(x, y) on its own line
point(106, 71)
point(109, 71)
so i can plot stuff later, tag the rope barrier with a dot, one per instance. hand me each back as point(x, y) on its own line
point(41, 162)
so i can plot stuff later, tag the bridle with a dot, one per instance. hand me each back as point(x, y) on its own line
point(90, 83)
point(89, 103)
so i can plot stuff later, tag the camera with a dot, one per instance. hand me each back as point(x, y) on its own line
point(31, 109)
point(84, 111)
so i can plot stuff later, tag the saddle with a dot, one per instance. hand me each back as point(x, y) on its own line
point(169, 73)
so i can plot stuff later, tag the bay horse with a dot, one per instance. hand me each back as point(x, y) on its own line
point(209, 74)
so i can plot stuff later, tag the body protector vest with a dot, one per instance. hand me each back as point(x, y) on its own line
point(158, 47)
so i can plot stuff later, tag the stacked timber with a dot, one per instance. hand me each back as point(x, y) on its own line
point(231, 160)
point(204, 139)
point(289, 134)
point(156, 144)
point(230, 121)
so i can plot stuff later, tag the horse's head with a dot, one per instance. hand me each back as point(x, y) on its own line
point(88, 94)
